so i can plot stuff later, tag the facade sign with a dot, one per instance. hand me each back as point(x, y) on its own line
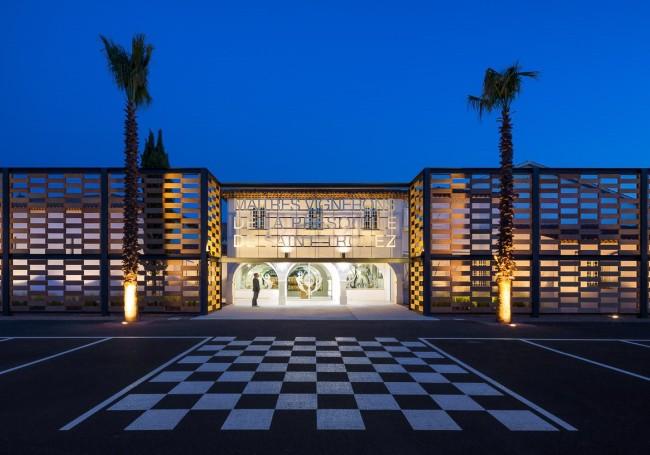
point(319, 227)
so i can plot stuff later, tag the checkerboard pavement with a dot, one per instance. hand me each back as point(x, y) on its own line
point(342, 383)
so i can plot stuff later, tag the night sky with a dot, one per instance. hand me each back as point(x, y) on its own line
point(348, 91)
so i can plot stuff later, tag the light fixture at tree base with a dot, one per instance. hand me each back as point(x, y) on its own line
point(504, 310)
point(130, 301)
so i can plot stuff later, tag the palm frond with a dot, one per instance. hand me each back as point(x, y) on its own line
point(131, 71)
point(118, 62)
point(500, 88)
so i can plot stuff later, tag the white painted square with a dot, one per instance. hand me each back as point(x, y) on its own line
point(223, 338)
point(448, 368)
point(374, 344)
point(305, 338)
point(329, 354)
point(386, 339)
point(191, 388)
point(334, 388)
point(350, 348)
point(326, 343)
point(283, 343)
point(345, 338)
point(477, 388)
point(249, 359)
point(364, 376)
point(248, 419)
point(211, 347)
point(430, 420)
point(405, 388)
point(522, 421)
point(157, 419)
point(213, 367)
point(236, 376)
point(429, 378)
point(330, 368)
point(356, 360)
point(339, 419)
point(137, 402)
point(389, 368)
point(456, 403)
point(272, 367)
point(257, 348)
point(217, 401)
point(376, 402)
point(240, 343)
point(264, 338)
point(195, 359)
point(378, 354)
point(228, 353)
point(303, 347)
point(263, 387)
point(413, 344)
point(300, 376)
point(397, 349)
point(297, 401)
point(278, 353)
point(172, 376)
point(428, 354)
point(304, 360)
point(410, 361)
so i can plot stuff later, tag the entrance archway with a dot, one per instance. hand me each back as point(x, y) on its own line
point(310, 282)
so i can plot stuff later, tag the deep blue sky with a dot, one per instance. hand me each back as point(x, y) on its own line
point(328, 91)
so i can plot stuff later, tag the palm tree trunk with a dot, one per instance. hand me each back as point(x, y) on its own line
point(505, 261)
point(130, 240)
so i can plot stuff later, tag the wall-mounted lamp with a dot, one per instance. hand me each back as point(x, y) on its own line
point(285, 250)
point(343, 250)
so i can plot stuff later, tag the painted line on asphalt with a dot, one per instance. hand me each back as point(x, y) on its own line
point(584, 359)
point(73, 423)
point(5, 339)
point(53, 356)
point(644, 340)
point(553, 418)
point(118, 337)
point(636, 344)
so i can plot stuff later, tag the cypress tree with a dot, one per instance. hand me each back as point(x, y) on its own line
point(162, 159)
point(148, 152)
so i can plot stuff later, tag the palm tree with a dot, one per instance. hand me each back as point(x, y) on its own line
point(130, 71)
point(499, 91)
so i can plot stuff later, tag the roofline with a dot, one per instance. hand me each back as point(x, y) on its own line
point(229, 186)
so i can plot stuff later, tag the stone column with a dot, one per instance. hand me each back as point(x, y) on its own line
point(282, 292)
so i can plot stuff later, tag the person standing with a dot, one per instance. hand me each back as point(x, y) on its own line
point(256, 288)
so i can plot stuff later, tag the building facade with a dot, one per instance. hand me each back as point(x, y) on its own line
point(581, 241)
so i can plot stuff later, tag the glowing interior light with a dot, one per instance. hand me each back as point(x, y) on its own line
point(614, 316)
point(130, 301)
point(505, 314)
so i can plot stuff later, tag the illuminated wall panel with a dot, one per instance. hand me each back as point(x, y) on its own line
point(589, 286)
point(468, 286)
point(56, 245)
point(55, 284)
point(170, 285)
point(589, 214)
point(465, 213)
point(55, 213)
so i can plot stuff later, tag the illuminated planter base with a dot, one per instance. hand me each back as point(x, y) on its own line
point(130, 301)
